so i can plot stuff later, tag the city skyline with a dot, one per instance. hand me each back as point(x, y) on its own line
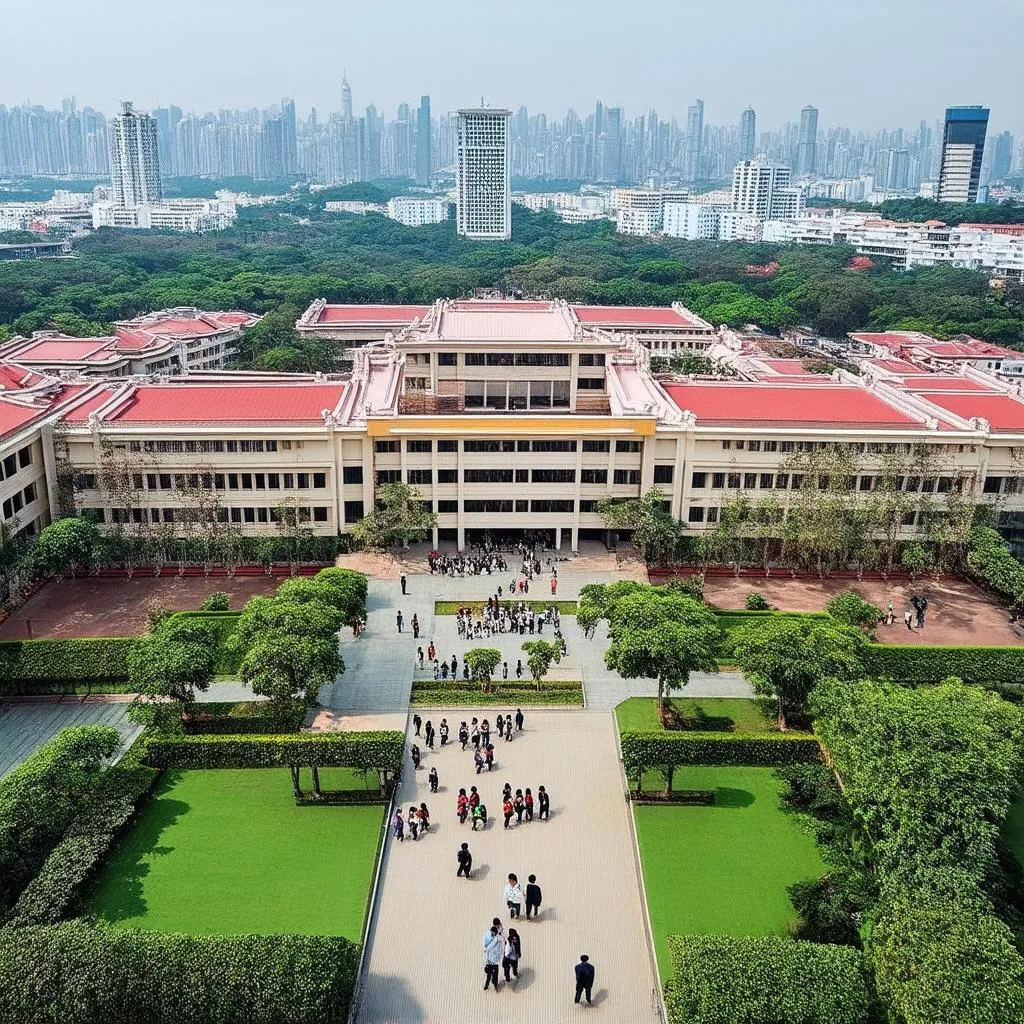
point(727, 70)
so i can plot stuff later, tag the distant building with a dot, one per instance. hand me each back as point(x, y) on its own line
point(963, 146)
point(194, 215)
point(762, 189)
point(1002, 156)
point(423, 150)
point(641, 211)
point(483, 174)
point(807, 148)
point(414, 213)
point(748, 135)
point(692, 220)
point(134, 159)
point(694, 154)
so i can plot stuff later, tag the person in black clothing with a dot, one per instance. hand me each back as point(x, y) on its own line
point(465, 859)
point(403, 582)
point(463, 734)
point(415, 754)
point(415, 627)
point(543, 803)
point(428, 730)
point(584, 977)
point(398, 621)
point(533, 897)
point(417, 722)
point(519, 719)
point(433, 780)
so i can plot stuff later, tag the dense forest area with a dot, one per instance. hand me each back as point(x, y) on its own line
point(278, 258)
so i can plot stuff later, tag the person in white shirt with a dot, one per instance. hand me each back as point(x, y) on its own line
point(494, 949)
point(513, 895)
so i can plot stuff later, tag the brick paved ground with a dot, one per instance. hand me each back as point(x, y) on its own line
point(425, 955)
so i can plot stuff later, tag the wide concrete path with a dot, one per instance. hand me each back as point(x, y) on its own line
point(425, 954)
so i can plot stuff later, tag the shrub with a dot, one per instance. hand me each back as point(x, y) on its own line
point(655, 751)
point(51, 895)
point(757, 602)
point(63, 664)
point(217, 602)
point(368, 751)
point(41, 797)
point(244, 718)
point(853, 610)
point(92, 974)
point(765, 980)
point(223, 624)
point(929, 665)
point(690, 586)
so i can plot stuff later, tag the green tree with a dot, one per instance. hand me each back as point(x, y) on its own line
point(852, 610)
point(398, 516)
point(654, 533)
point(288, 667)
point(482, 662)
point(541, 654)
point(784, 656)
point(262, 615)
point(658, 634)
point(217, 602)
point(67, 545)
point(173, 661)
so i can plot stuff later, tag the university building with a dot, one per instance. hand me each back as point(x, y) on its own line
point(506, 416)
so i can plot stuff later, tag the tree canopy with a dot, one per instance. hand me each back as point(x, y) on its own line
point(397, 517)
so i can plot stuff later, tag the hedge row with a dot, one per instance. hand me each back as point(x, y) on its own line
point(646, 751)
point(719, 979)
point(244, 717)
point(452, 607)
point(62, 664)
point(364, 751)
point(41, 798)
point(91, 974)
point(913, 664)
point(52, 894)
point(223, 625)
point(468, 694)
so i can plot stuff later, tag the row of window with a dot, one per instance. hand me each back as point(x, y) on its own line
point(794, 481)
point(505, 359)
point(16, 502)
point(499, 505)
point(1003, 485)
point(509, 476)
point(218, 481)
point(385, 446)
point(245, 514)
point(852, 447)
point(15, 461)
point(208, 447)
point(699, 514)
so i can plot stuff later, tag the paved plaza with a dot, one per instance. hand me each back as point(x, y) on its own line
point(425, 946)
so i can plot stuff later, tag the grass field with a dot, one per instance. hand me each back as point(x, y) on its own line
point(722, 869)
point(709, 714)
point(227, 851)
point(437, 694)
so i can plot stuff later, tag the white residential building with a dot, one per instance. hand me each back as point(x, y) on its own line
point(483, 174)
point(641, 211)
point(693, 220)
point(762, 189)
point(414, 213)
point(195, 215)
point(134, 159)
point(735, 226)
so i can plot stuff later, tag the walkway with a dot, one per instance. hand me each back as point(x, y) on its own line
point(25, 727)
point(424, 950)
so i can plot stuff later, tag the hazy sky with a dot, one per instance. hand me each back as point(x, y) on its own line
point(863, 63)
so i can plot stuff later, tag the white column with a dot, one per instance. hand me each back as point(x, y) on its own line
point(558, 538)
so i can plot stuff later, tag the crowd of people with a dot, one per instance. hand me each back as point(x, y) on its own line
point(497, 617)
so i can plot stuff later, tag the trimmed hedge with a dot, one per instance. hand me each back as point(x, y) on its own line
point(452, 607)
point(468, 694)
point(648, 751)
point(907, 663)
point(41, 798)
point(223, 625)
point(91, 974)
point(62, 664)
point(51, 895)
point(719, 979)
point(370, 751)
point(245, 717)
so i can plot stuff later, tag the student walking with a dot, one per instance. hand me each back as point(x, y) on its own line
point(908, 618)
point(485, 732)
point(415, 627)
point(478, 760)
point(402, 580)
point(508, 810)
point(533, 897)
point(519, 665)
point(416, 723)
point(398, 621)
point(419, 657)
point(519, 719)
point(499, 723)
point(493, 953)
point(584, 978)
point(415, 755)
point(413, 822)
point(504, 670)
point(428, 730)
point(398, 823)
point(463, 734)
point(443, 732)
point(431, 651)
point(513, 952)
point(527, 803)
point(423, 817)
point(480, 815)
point(462, 806)
point(520, 806)
point(543, 803)
point(489, 757)
point(508, 727)
point(465, 860)
point(433, 780)
point(513, 895)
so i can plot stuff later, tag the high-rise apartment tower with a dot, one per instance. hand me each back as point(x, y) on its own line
point(963, 145)
point(134, 159)
point(694, 168)
point(748, 137)
point(807, 147)
point(762, 189)
point(423, 158)
point(483, 174)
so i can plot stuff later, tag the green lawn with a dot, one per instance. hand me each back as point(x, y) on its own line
point(722, 869)
point(227, 851)
point(735, 714)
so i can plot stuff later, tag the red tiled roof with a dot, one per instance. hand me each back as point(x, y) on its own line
point(968, 349)
point(797, 406)
point(891, 339)
point(1004, 414)
point(498, 305)
point(940, 382)
point(196, 403)
point(638, 316)
point(792, 367)
point(371, 314)
point(15, 378)
point(193, 326)
point(894, 365)
point(75, 348)
point(14, 416)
